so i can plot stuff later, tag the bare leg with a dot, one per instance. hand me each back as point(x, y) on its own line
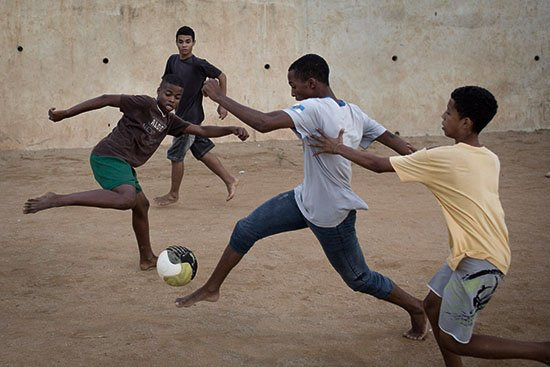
point(175, 183)
point(419, 321)
point(210, 291)
point(140, 223)
point(214, 164)
point(122, 197)
point(492, 347)
point(432, 304)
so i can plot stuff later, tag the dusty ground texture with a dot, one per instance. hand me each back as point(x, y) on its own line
point(72, 294)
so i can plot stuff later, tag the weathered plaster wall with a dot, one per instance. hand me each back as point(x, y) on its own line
point(438, 45)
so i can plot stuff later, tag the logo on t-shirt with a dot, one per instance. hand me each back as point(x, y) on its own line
point(154, 126)
point(298, 108)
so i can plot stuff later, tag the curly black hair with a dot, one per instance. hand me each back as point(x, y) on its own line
point(476, 103)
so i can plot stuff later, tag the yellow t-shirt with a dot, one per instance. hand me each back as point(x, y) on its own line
point(464, 180)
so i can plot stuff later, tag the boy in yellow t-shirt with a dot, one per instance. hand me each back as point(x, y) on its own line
point(464, 179)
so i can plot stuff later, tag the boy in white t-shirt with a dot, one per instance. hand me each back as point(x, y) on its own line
point(464, 179)
point(324, 202)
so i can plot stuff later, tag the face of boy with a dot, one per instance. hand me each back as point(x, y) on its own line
point(185, 46)
point(300, 89)
point(168, 97)
point(453, 126)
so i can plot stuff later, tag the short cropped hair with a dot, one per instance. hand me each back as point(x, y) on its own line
point(186, 31)
point(171, 79)
point(476, 103)
point(311, 66)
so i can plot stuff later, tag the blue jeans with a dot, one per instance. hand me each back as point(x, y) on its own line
point(340, 244)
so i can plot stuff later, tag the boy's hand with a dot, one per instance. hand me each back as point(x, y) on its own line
point(326, 144)
point(55, 115)
point(412, 149)
point(211, 88)
point(240, 132)
point(222, 112)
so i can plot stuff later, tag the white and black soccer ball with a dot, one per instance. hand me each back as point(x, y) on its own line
point(177, 265)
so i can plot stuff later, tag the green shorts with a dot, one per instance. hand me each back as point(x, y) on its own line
point(111, 172)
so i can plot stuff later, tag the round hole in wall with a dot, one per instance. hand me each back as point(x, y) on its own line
point(537, 58)
point(105, 60)
point(267, 66)
point(435, 14)
point(397, 133)
point(394, 58)
point(20, 48)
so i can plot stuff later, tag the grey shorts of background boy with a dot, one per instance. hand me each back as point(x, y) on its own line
point(480, 253)
point(193, 71)
point(145, 123)
point(324, 202)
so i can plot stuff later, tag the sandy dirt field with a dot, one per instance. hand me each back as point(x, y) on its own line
point(73, 294)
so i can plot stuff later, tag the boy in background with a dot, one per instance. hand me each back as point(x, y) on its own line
point(144, 124)
point(193, 71)
point(464, 179)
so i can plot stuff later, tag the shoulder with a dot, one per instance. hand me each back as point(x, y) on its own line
point(128, 102)
point(306, 106)
point(173, 58)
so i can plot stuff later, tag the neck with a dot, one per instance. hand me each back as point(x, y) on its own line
point(183, 58)
point(470, 139)
point(327, 92)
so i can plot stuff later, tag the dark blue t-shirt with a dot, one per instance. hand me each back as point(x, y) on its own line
point(193, 71)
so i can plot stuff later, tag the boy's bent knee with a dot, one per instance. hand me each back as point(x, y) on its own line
point(449, 343)
point(243, 236)
point(126, 203)
point(371, 283)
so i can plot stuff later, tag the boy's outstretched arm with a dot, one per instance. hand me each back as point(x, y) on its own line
point(369, 161)
point(216, 131)
point(259, 121)
point(396, 143)
point(112, 100)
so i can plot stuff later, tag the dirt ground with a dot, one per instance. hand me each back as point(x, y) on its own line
point(73, 294)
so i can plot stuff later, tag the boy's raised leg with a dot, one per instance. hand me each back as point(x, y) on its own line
point(122, 197)
point(140, 223)
point(210, 291)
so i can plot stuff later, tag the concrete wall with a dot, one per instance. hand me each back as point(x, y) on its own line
point(53, 54)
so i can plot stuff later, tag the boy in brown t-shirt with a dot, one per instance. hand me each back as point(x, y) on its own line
point(145, 123)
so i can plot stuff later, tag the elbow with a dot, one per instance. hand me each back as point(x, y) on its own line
point(262, 128)
point(377, 169)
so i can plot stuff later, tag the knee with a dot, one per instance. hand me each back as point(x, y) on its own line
point(370, 282)
point(141, 204)
point(126, 202)
point(243, 237)
point(449, 343)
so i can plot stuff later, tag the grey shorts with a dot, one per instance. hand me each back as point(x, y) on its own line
point(464, 292)
point(181, 144)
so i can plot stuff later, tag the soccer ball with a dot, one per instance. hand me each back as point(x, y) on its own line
point(177, 265)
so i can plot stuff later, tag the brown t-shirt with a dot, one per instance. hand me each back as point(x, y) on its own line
point(140, 131)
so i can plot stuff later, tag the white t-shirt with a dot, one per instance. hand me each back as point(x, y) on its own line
point(325, 197)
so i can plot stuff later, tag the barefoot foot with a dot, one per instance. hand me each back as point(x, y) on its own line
point(420, 327)
point(167, 199)
point(231, 188)
point(45, 201)
point(148, 264)
point(201, 294)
